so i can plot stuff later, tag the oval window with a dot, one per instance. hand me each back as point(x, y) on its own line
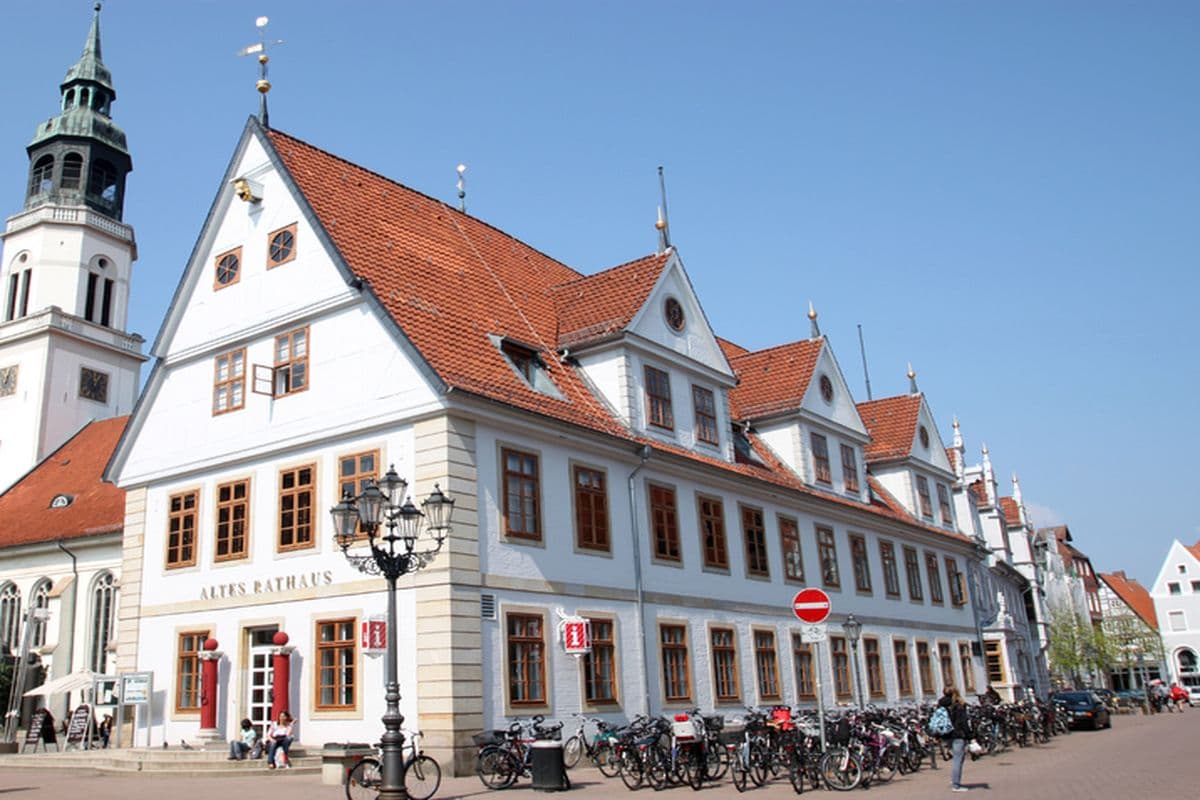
point(826, 389)
point(674, 314)
point(924, 434)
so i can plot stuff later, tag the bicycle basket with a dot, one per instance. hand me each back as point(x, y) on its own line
point(731, 737)
point(488, 737)
point(841, 732)
point(714, 722)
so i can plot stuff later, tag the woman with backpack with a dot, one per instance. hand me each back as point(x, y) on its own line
point(959, 733)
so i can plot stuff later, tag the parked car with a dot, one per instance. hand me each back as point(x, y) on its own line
point(1086, 709)
point(1194, 695)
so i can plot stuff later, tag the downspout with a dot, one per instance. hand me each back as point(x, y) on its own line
point(63, 624)
point(640, 601)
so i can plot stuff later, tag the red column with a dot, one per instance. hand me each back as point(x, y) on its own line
point(281, 670)
point(209, 661)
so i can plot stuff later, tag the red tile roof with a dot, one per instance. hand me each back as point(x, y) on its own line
point(73, 470)
point(892, 423)
point(602, 305)
point(773, 380)
point(1133, 594)
point(979, 492)
point(952, 454)
point(1194, 550)
point(730, 349)
point(1012, 512)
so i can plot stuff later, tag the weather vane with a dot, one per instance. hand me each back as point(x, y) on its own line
point(260, 48)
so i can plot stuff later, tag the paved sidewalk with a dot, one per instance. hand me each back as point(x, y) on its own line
point(1142, 758)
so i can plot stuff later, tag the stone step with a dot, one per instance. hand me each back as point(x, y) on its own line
point(168, 762)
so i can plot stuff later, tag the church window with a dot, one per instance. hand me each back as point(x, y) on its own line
point(104, 606)
point(42, 176)
point(229, 381)
point(10, 617)
point(281, 247)
point(228, 268)
point(39, 598)
point(72, 171)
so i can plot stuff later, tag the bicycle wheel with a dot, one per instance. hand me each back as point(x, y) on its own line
point(496, 768)
point(759, 763)
point(655, 768)
point(572, 749)
point(694, 768)
point(422, 777)
point(841, 769)
point(606, 760)
point(364, 780)
point(796, 772)
point(632, 773)
point(715, 763)
point(738, 771)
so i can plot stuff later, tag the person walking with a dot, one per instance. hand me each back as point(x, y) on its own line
point(960, 732)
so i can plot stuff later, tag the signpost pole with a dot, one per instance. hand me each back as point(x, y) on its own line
point(812, 606)
point(820, 694)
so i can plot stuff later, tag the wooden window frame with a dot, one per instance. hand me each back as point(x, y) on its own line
point(792, 573)
point(231, 505)
point(937, 595)
point(591, 509)
point(192, 657)
point(754, 535)
point(827, 554)
point(804, 666)
point(925, 499)
point(236, 252)
point(271, 262)
point(230, 383)
point(766, 665)
point(891, 570)
point(850, 470)
point(181, 516)
point(356, 481)
point(336, 646)
point(588, 661)
point(658, 398)
point(839, 663)
point(954, 577)
point(912, 573)
point(295, 492)
point(289, 366)
point(903, 664)
point(992, 650)
point(944, 509)
point(822, 470)
point(525, 640)
point(724, 663)
point(925, 668)
point(664, 523)
point(873, 661)
point(675, 647)
point(966, 663)
point(704, 405)
point(529, 486)
point(861, 562)
point(714, 544)
point(946, 663)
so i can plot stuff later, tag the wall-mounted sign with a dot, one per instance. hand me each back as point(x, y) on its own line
point(135, 688)
point(283, 583)
point(576, 635)
point(374, 635)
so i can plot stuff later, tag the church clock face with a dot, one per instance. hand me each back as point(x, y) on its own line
point(8, 380)
point(93, 385)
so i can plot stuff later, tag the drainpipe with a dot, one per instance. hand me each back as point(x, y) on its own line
point(66, 626)
point(644, 454)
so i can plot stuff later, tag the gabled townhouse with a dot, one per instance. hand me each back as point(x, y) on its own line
point(1130, 627)
point(1176, 594)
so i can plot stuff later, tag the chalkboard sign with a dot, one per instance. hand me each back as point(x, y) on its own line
point(78, 727)
point(41, 729)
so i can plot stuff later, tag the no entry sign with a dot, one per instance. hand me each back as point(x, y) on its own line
point(811, 605)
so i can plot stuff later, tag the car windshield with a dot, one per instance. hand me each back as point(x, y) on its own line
point(1075, 697)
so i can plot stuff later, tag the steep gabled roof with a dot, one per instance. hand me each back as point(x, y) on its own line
point(1194, 550)
point(952, 454)
point(773, 380)
point(1132, 594)
point(74, 471)
point(1012, 512)
point(892, 423)
point(600, 306)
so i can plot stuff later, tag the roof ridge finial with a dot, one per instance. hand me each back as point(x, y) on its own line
point(912, 380)
point(815, 332)
point(989, 476)
point(461, 169)
point(663, 224)
point(263, 85)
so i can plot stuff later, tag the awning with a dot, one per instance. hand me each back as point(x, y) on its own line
point(83, 679)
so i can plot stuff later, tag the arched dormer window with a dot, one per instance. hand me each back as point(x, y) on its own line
point(39, 598)
point(41, 177)
point(69, 100)
point(84, 98)
point(72, 171)
point(104, 613)
point(102, 182)
point(10, 618)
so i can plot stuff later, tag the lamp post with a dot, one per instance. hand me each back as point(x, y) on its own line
point(398, 551)
point(853, 629)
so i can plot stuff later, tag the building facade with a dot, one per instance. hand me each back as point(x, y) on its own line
point(1176, 594)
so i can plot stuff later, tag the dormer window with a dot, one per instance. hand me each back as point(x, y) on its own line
point(658, 399)
point(944, 504)
point(820, 448)
point(925, 499)
point(849, 469)
point(706, 415)
point(528, 364)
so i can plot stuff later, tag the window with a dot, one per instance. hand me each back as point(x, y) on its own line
point(891, 575)
point(337, 657)
point(789, 540)
point(523, 359)
point(72, 171)
point(1177, 620)
point(673, 312)
point(724, 658)
point(820, 450)
point(935, 579)
point(291, 362)
point(903, 671)
point(10, 617)
point(102, 182)
point(354, 472)
point(600, 665)
point(912, 569)
point(944, 504)
point(181, 530)
point(40, 598)
point(994, 661)
point(925, 668)
point(1196, 586)
point(1174, 588)
point(755, 534)
point(281, 246)
point(233, 514)
point(104, 614)
point(1182, 568)
point(676, 686)
point(187, 671)
point(923, 495)
point(591, 510)
point(228, 269)
point(296, 487)
point(826, 387)
point(841, 667)
point(967, 666)
point(526, 660)
point(665, 522)
point(849, 469)
point(958, 594)
point(946, 662)
point(874, 667)
point(712, 533)
point(802, 657)
point(766, 665)
point(41, 178)
point(658, 398)
point(706, 415)
point(522, 495)
point(229, 382)
point(827, 549)
point(862, 568)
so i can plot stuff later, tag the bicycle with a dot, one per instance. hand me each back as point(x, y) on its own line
point(599, 749)
point(505, 755)
point(422, 776)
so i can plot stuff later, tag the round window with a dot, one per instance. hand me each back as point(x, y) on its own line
point(282, 244)
point(924, 434)
point(674, 314)
point(227, 269)
point(826, 389)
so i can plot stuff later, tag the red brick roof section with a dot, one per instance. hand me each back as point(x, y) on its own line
point(773, 380)
point(1012, 512)
point(74, 470)
point(1132, 594)
point(602, 305)
point(1194, 550)
point(730, 349)
point(892, 423)
point(979, 492)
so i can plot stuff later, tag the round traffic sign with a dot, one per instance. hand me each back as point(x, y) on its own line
point(811, 605)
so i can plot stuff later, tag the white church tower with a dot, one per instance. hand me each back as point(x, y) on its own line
point(65, 269)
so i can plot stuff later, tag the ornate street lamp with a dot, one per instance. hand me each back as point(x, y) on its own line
point(853, 629)
point(400, 550)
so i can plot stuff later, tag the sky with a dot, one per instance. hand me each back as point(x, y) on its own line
point(1004, 194)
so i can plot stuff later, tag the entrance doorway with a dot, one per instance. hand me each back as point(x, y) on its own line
point(260, 673)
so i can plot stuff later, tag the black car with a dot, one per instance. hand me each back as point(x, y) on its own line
point(1086, 709)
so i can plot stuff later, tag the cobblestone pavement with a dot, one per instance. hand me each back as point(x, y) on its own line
point(1146, 758)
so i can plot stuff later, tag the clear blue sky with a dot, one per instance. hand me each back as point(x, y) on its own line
point(1004, 193)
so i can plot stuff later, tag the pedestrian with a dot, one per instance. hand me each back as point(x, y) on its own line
point(960, 732)
point(1179, 696)
point(991, 697)
point(246, 744)
point(279, 740)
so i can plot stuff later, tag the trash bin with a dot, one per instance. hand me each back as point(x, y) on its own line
point(546, 764)
point(338, 758)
